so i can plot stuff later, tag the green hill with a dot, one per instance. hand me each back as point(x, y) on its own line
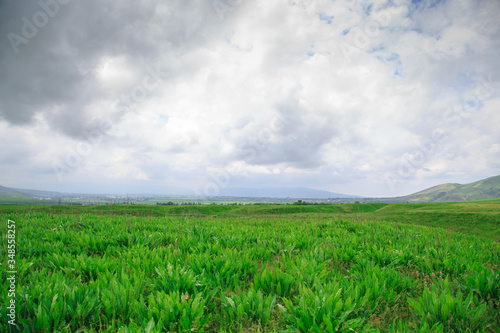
point(8, 195)
point(488, 188)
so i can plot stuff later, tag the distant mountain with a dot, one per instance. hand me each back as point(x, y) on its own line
point(488, 188)
point(36, 193)
point(9, 193)
point(4, 189)
point(269, 192)
point(282, 192)
point(27, 193)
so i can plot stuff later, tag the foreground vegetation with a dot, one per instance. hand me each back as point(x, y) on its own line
point(307, 268)
point(480, 218)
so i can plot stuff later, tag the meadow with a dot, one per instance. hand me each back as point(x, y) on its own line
point(255, 268)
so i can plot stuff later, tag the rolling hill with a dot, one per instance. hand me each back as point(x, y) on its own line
point(8, 195)
point(488, 188)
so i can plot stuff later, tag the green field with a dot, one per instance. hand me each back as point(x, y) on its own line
point(255, 268)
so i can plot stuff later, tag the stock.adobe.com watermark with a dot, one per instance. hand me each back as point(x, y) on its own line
point(11, 272)
point(31, 26)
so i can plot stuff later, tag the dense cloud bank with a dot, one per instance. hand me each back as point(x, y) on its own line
point(373, 99)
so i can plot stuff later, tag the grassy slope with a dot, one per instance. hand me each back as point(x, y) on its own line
point(9, 197)
point(9, 194)
point(482, 189)
point(475, 217)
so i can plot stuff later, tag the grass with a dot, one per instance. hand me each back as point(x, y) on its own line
point(258, 268)
point(481, 218)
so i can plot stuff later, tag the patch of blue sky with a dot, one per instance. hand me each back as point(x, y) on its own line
point(324, 17)
point(471, 103)
point(465, 80)
point(427, 3)
point(368, 9)
point(469, 49)
point(377, 48)
point(394, 57)
point(417, 29)
point(399, 73)
point(163, 118)
point(420, 5)
point(345, 32)
point(386, 57)
point(391, 57)
point(311, 52)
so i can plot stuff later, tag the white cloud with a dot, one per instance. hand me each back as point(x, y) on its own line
point(267, 94)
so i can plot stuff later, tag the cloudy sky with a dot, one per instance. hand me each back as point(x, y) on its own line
point(373, 98)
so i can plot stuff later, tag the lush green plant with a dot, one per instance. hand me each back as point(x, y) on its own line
point(276, 282)
point(326, 309)
point(485, 283)
point(440, 306)
point(245, 268)
point(177, 312)
point(251, 306)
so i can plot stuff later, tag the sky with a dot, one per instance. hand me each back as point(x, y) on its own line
point(369, 98)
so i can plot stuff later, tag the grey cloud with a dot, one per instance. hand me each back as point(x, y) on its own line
point(15, 152)
point(53, 74)
point(293, 136)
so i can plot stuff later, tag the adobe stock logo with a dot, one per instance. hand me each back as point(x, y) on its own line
point(30, 28)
